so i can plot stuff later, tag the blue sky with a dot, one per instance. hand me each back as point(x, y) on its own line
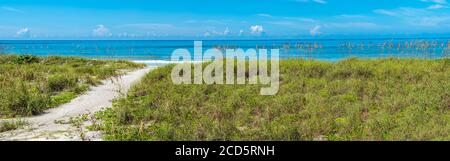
point(151, 19)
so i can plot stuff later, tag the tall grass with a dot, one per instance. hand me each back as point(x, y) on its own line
point(29, 84)
point(382, 99)
point(12, 125)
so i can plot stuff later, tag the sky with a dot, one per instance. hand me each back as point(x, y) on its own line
point(172, 19)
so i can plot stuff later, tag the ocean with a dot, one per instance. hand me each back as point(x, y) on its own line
point(159, 51)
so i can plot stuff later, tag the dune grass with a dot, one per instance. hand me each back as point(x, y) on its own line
point(29, 84)
point(382, 99)
point(12, 125)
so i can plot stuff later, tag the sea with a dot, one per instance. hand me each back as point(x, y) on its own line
point(158, 52)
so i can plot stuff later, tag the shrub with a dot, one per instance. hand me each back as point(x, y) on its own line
point(26, 59)
point(60, 82)
point(23, 100)
point(62, 98)
point(11, 125)
point(29, 85)
point(382, 99)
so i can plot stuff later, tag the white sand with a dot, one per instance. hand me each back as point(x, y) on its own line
point(45, 126)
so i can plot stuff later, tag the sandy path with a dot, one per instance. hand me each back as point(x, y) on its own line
point(45, 126)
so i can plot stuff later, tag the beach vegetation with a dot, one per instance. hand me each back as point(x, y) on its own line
point(30, 84)
point(352, 99)
point(12, 125)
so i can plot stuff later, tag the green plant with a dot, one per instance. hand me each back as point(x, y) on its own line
point(62, 98)
point(33, 84)
point(26, 59)
point(60, 82)
point(25, 100)
point(353, 99)
point(12, 125)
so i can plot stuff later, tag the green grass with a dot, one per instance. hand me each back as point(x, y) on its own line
point(29, 85)
point(11, 125)
point(382, 99)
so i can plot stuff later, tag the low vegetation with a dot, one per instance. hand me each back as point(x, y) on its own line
point(12, 125)
point(381, 99)
point(29, 84)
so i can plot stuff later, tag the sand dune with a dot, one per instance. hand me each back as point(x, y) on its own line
point(53, 124)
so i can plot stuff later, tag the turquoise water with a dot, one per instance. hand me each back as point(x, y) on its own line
point(161, 50)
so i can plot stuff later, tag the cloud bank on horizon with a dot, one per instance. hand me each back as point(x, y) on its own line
point(135, 19)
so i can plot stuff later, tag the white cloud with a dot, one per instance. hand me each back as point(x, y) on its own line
point(11, 9)
point(316, 1)
point(402, 12)
point(320, 1)
point(353, 25)
point(434, 21)
point(436, 1)
point(424, 17)
point(315, 30)
point(256, 29)
point(226, 32)
point(24, 32)
point(284, 23)
point(385, 12)
point(241, 32)
point(346, 16)
point(125, 34)
point(264, 15)
point(207, 34)
point(149, 26)
point(436, 6)
point(301, 19)
point(101, 31)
